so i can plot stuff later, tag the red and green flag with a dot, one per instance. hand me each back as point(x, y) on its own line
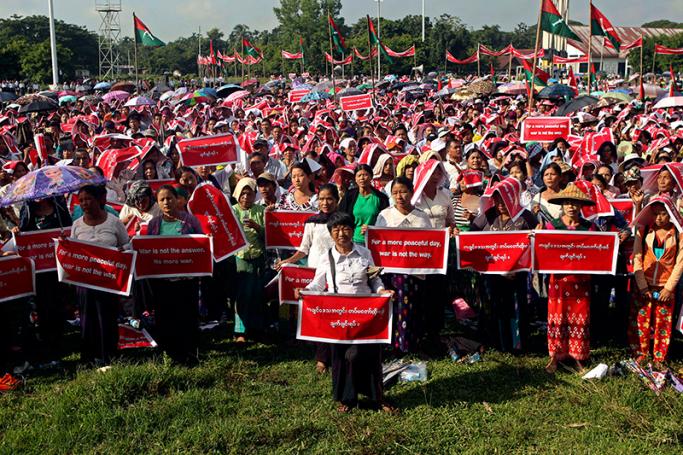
point(143, 35)
point(337, 37)
point(540, 76)
point(552, 21)
point(374, 40)
point(250, 49)
point(601, 26)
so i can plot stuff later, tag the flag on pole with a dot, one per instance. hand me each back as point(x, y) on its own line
point(337, 37)
point(250, 49)
point(143, 35)
point(641, 90)
point(541, 77)
point(635, 44)
point(601, 26)
point(552, 21)
point(301, 47)
point(212, 56)
point(374, 40)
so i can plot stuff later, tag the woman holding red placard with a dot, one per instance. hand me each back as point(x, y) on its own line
point(176, 300)
point(569, 295)
point(99, 310)
point(408, 328)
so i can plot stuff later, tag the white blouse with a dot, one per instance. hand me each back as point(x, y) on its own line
point(316, 242)
point(351, 273)
point(391, 217)
point(439, 210)
point(111, 233)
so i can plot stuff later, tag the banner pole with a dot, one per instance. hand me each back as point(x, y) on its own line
point(533, 69)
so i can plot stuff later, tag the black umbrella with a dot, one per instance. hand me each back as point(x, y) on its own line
point(576, 105)
point(36, 103)
point(226, 90)
point(556, 91)
point(349, 92)
point(7, 96)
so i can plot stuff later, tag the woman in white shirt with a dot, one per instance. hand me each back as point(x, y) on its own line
point(356, 368)
point(98, 309)
point(407, 324)
point(315, 244)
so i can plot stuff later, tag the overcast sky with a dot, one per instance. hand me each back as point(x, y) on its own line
point(169, 19)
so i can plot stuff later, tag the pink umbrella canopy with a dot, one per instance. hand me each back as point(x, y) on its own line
point(238, 95)
point(669, 101)
point(116, 95)
point(140, 101)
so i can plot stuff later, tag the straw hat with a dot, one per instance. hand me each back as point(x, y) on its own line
point(571, 193)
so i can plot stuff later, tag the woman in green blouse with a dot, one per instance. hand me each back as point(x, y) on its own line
point(250, 309)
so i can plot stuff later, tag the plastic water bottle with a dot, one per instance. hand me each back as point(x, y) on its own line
point(453, 353)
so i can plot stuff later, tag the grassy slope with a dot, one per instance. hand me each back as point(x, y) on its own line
point(269, 399)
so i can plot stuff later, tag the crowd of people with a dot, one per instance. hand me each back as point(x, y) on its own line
point(417, 161)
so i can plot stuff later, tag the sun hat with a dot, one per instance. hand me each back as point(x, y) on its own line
point(571, 193)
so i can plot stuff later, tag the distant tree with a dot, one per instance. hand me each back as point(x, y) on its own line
point(36, 62)
point(662, 23)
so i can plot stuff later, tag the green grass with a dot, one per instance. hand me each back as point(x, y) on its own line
point(268, 399)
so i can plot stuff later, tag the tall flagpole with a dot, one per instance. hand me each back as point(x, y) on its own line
point(478, 61)
point(379, 41)
point(329, 34)
point(135, 52)
point(510, 66)
point(53, 44)
point(533, 68)
point(641, 63)
point(242, 59)
point(372, 73)
point(590, 39)
point(199, 52)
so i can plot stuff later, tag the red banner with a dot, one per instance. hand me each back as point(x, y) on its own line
point(212, 208)
point(575, 252)
point(625, 207)
point(173, 256)
point(545, 129)
point(130, 338)
point(659, 49)
point(285, 228)
point(494, 252)
point(471, 59)
point(208, 150)
point(356, 102)
point(296, 95)
point(291, 56)
point(39, 246)
point(95, 267)
point(410, 52)
point(110, 159)
point(557, 60)
point(17, 278)
point(344, 318)
point(405, 250)
point(293, 277)
point(346, 61)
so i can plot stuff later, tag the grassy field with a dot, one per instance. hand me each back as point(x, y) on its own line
point(268, 399)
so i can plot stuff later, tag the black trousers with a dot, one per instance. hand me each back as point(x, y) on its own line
point(356, 369)
point(176, 314)
point(99, 327)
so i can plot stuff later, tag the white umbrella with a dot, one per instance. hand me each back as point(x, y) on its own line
point(669, 101)
point(140, 101)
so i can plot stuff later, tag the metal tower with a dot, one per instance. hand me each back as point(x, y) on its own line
point(108, 37)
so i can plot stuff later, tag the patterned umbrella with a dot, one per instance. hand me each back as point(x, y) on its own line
point(115, 95)
point(50, 181)
point(140, 101)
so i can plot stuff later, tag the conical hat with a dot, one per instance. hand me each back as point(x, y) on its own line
point(571, 193)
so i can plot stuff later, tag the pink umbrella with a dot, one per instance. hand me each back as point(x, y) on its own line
point(140, 101)
point(238, 95)
point(118, 95)
point(66, 93)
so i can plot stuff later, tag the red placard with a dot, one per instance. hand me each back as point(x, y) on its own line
point(356, 102)
point(295, 95)
point(156, 184)
point(625, 207)
point(17, 278)
point(494, 252)
point(405, 250)
point(344, 318)
point(167, 256)
point(39, 246)
point(293, 277)
point(94, 266)
point(208, 150)
point(285, 228)
point(545, 129)
point(211, 207)
point(575, 252)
